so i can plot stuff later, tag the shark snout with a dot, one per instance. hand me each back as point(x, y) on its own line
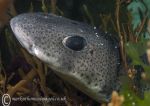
point(24, 39)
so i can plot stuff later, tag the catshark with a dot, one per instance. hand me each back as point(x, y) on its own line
point(78, 53)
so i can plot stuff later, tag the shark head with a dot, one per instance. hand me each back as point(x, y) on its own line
point(78, 53)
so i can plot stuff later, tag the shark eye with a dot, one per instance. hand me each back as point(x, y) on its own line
point(75, 43)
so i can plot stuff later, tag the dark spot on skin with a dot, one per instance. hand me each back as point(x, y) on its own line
point(75, 23)
point(89, 82)
point(100, 80)
point(96, 84)
point(92, 74)
point(81, 74)
point(69, 67)
point(91, 52)
point(48, 54)
point(87, 77)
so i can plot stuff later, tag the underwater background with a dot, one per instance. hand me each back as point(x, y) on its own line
point(127, 20)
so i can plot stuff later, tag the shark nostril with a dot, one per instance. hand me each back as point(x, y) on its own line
point(31, 49)
point(76, 43)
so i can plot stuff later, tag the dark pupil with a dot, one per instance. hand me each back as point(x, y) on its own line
point(76, 43)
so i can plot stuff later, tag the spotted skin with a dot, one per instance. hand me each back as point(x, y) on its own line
point(93, 70)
